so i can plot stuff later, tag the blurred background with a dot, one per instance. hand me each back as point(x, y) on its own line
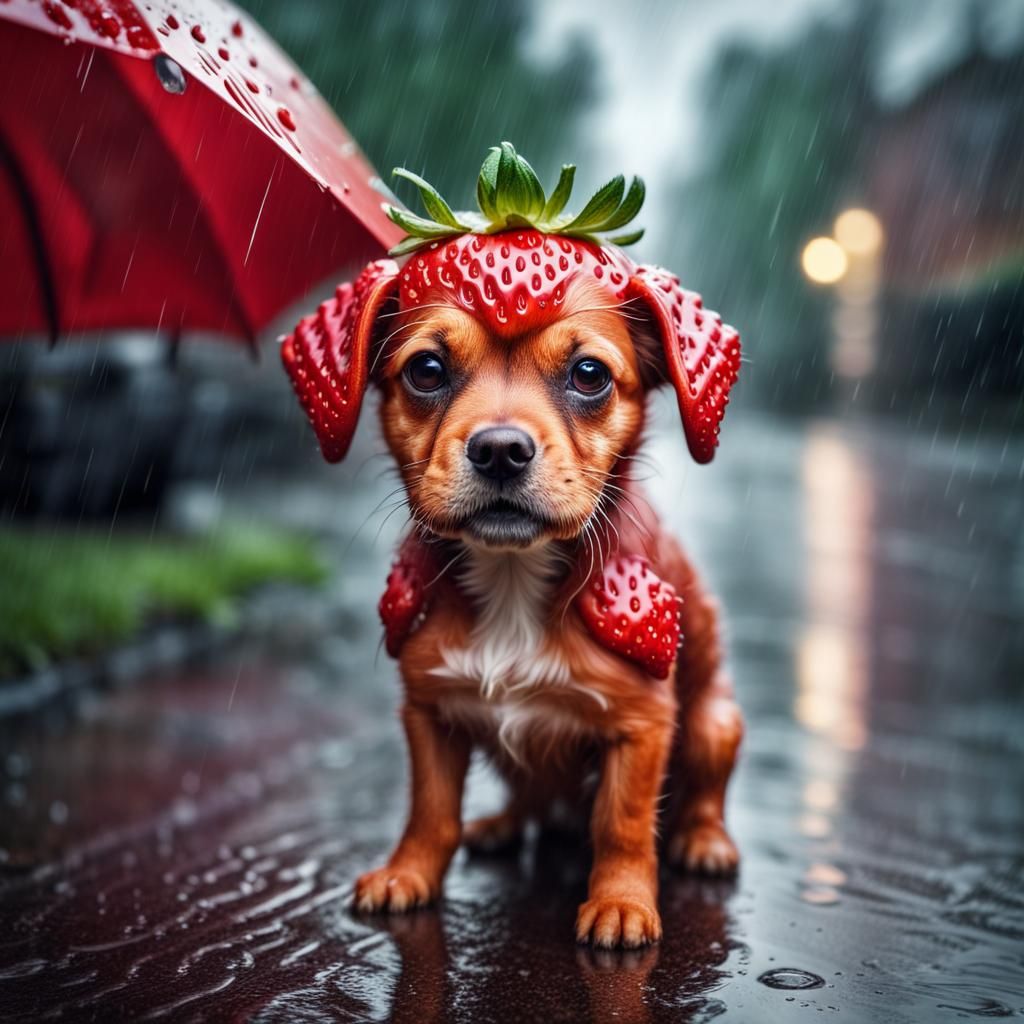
point(844, 181)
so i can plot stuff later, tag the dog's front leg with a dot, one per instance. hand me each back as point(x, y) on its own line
point(622, 908)
point(413, 874)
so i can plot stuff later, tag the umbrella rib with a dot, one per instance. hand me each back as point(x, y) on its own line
point(30, 212)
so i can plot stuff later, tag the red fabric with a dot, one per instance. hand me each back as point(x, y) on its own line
point(516, 281)
point(328, 354)
point(702, 354)
point(404, 600)
point(212, 209)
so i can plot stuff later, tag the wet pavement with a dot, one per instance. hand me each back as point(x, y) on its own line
point(183, 848)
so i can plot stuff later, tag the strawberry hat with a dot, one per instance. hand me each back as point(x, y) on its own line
point(510, 265)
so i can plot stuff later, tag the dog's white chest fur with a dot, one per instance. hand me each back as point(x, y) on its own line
point(506, 660)
point(505, 651)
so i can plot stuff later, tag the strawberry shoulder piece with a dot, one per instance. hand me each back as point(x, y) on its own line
point(404, 601)
point(633, 613)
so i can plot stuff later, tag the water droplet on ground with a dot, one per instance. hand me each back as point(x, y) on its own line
point(986, 1008)
point(790, 978)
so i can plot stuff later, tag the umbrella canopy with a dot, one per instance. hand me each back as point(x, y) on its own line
point(165, 165)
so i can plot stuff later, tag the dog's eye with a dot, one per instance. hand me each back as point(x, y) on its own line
point(425, 372)
point(589, 377)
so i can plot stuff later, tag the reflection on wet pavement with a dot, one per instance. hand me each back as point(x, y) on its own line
point(184, 848)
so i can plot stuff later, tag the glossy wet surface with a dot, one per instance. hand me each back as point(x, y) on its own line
point(184, 848)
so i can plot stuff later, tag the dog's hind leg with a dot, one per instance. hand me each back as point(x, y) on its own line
point(495, 833)
point(710, 731)
point(710, 728)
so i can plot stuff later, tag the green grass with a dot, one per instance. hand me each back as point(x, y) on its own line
point(65, 594)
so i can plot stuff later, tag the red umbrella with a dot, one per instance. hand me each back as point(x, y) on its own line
point(165, 165)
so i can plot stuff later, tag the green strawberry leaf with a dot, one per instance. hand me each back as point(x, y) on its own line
point(628, 238)
point(515, 220)
point(514, 188)
point(511, 196)
point(419, 227)
point(602, 205)
point(628, 210)
point(556, 204)
point(433, 203)
point(487, 185)
point(407, 245)
point(531, 187)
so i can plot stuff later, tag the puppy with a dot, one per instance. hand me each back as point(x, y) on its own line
point(537, 609)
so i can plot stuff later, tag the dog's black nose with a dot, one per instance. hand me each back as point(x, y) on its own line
point(500, 453)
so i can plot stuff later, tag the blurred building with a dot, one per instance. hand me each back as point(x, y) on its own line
point(945, 174)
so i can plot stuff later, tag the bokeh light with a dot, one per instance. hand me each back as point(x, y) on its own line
point(859, 232)
point(824, 260)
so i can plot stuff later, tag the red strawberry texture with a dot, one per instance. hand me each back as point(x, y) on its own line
point(633, 613)
point(511, 266)
point(326, 356)
point(401, 603)
point(516, 282)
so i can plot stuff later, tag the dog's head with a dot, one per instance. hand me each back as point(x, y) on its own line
point(508, 403)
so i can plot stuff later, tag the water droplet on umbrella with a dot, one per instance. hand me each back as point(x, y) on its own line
point(108, 25)
point(56, 13)
point(284, 115)
point(790, 978)
point(198, 34)
point(172, 78)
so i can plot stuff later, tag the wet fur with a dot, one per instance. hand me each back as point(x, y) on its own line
point(502, 662)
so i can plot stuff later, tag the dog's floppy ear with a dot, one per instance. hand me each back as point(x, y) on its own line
point(328, 354)
point(701, 354)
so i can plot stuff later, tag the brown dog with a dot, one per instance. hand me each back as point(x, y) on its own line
point(534, 601)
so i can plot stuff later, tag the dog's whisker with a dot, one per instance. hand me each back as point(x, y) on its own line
point(398, 507)
point(376, 508)
point(383, 343)
point(414, 309)
point(463, 552)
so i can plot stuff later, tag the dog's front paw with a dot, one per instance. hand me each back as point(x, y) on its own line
point(393, 889)
point(705, 848)
point(611, 922)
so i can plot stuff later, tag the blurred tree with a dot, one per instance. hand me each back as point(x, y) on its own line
point(795, 134)
point(784, 137)
point(432, 86)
